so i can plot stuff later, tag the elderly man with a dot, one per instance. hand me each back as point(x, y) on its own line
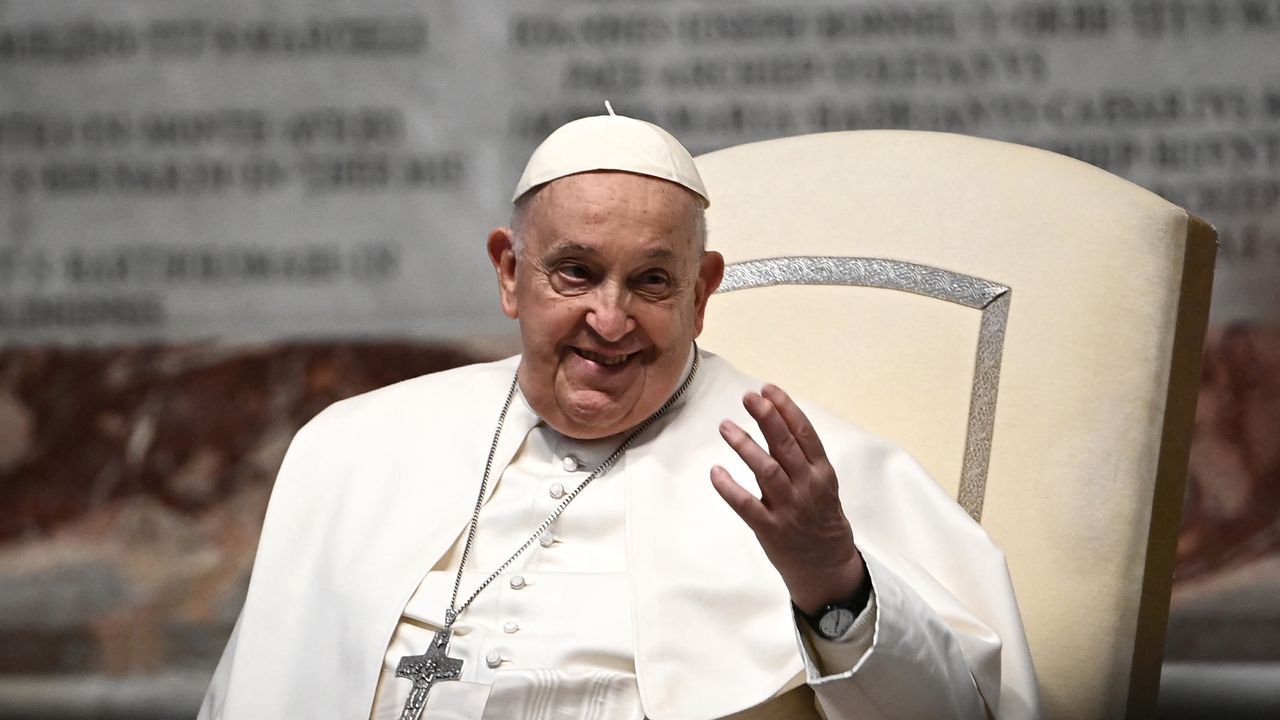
point(613, 524)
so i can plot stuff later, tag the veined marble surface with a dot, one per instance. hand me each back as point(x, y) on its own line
point(133, 482)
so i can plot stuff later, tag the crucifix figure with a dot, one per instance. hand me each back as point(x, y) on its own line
point(425, 670)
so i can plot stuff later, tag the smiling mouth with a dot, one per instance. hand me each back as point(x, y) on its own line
point(606, 360)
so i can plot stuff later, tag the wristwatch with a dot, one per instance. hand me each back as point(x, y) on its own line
point(835, 619)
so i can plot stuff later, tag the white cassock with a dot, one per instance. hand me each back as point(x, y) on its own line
point(551, 638)
point(375, 492)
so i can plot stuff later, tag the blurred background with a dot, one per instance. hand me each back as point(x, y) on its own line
point(216, 219)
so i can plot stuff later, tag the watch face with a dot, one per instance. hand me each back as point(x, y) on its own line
point(835, 622)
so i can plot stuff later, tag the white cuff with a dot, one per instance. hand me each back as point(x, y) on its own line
point(839, 655)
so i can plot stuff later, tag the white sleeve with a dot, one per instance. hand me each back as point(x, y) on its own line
point(916, 665)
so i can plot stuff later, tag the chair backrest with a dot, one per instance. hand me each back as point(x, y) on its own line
point(1027, 325)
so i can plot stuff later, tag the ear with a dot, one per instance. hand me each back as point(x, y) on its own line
point(502, 255)
point(710, 273)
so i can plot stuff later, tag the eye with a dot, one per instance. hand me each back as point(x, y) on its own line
point(573, 271)
point(570, 276)
point(653, 282)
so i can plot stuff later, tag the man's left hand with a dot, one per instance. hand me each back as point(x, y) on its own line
point(798, 518)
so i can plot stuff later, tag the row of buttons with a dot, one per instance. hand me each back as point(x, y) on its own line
point(517, 582)
point(494, 659)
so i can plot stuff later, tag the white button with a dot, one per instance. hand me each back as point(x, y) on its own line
point(547, 539)
point(557, 491)
point(571, 463)
point(493, 659)
point(510, 626)
point(517, 582)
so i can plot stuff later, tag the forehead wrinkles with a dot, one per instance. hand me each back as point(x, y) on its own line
point(572, 211)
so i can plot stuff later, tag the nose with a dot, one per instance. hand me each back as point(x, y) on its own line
point(609, 315)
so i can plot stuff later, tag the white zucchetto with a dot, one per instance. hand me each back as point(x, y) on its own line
point(611, 142)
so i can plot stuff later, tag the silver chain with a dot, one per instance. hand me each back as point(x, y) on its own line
point(452, 614)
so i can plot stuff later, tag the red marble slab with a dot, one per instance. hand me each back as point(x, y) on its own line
point(133, 482)
point(1231, 515)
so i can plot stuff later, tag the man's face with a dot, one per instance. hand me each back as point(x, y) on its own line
point(609, 287)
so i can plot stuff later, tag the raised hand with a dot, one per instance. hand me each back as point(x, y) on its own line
point(798, 519)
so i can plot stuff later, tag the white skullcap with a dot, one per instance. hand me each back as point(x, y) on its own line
point(611, 142)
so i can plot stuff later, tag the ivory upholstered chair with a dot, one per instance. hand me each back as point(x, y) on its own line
point(1027, 325)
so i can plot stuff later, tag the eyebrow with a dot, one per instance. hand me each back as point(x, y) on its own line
point(575, 248)
point(571, 248)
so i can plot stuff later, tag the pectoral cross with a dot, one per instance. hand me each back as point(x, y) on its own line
point(426, 670)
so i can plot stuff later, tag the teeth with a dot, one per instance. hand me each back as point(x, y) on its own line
point(603, 359)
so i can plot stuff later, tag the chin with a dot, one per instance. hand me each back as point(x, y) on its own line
point(587, 433)
point(590, 426)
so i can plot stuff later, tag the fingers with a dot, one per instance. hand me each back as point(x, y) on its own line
point(779, 436)
point(748, 507)
point(770, 476)
point(797, 422)
point(795, 463)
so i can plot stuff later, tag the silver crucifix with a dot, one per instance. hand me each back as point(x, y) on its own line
point(426, 670)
